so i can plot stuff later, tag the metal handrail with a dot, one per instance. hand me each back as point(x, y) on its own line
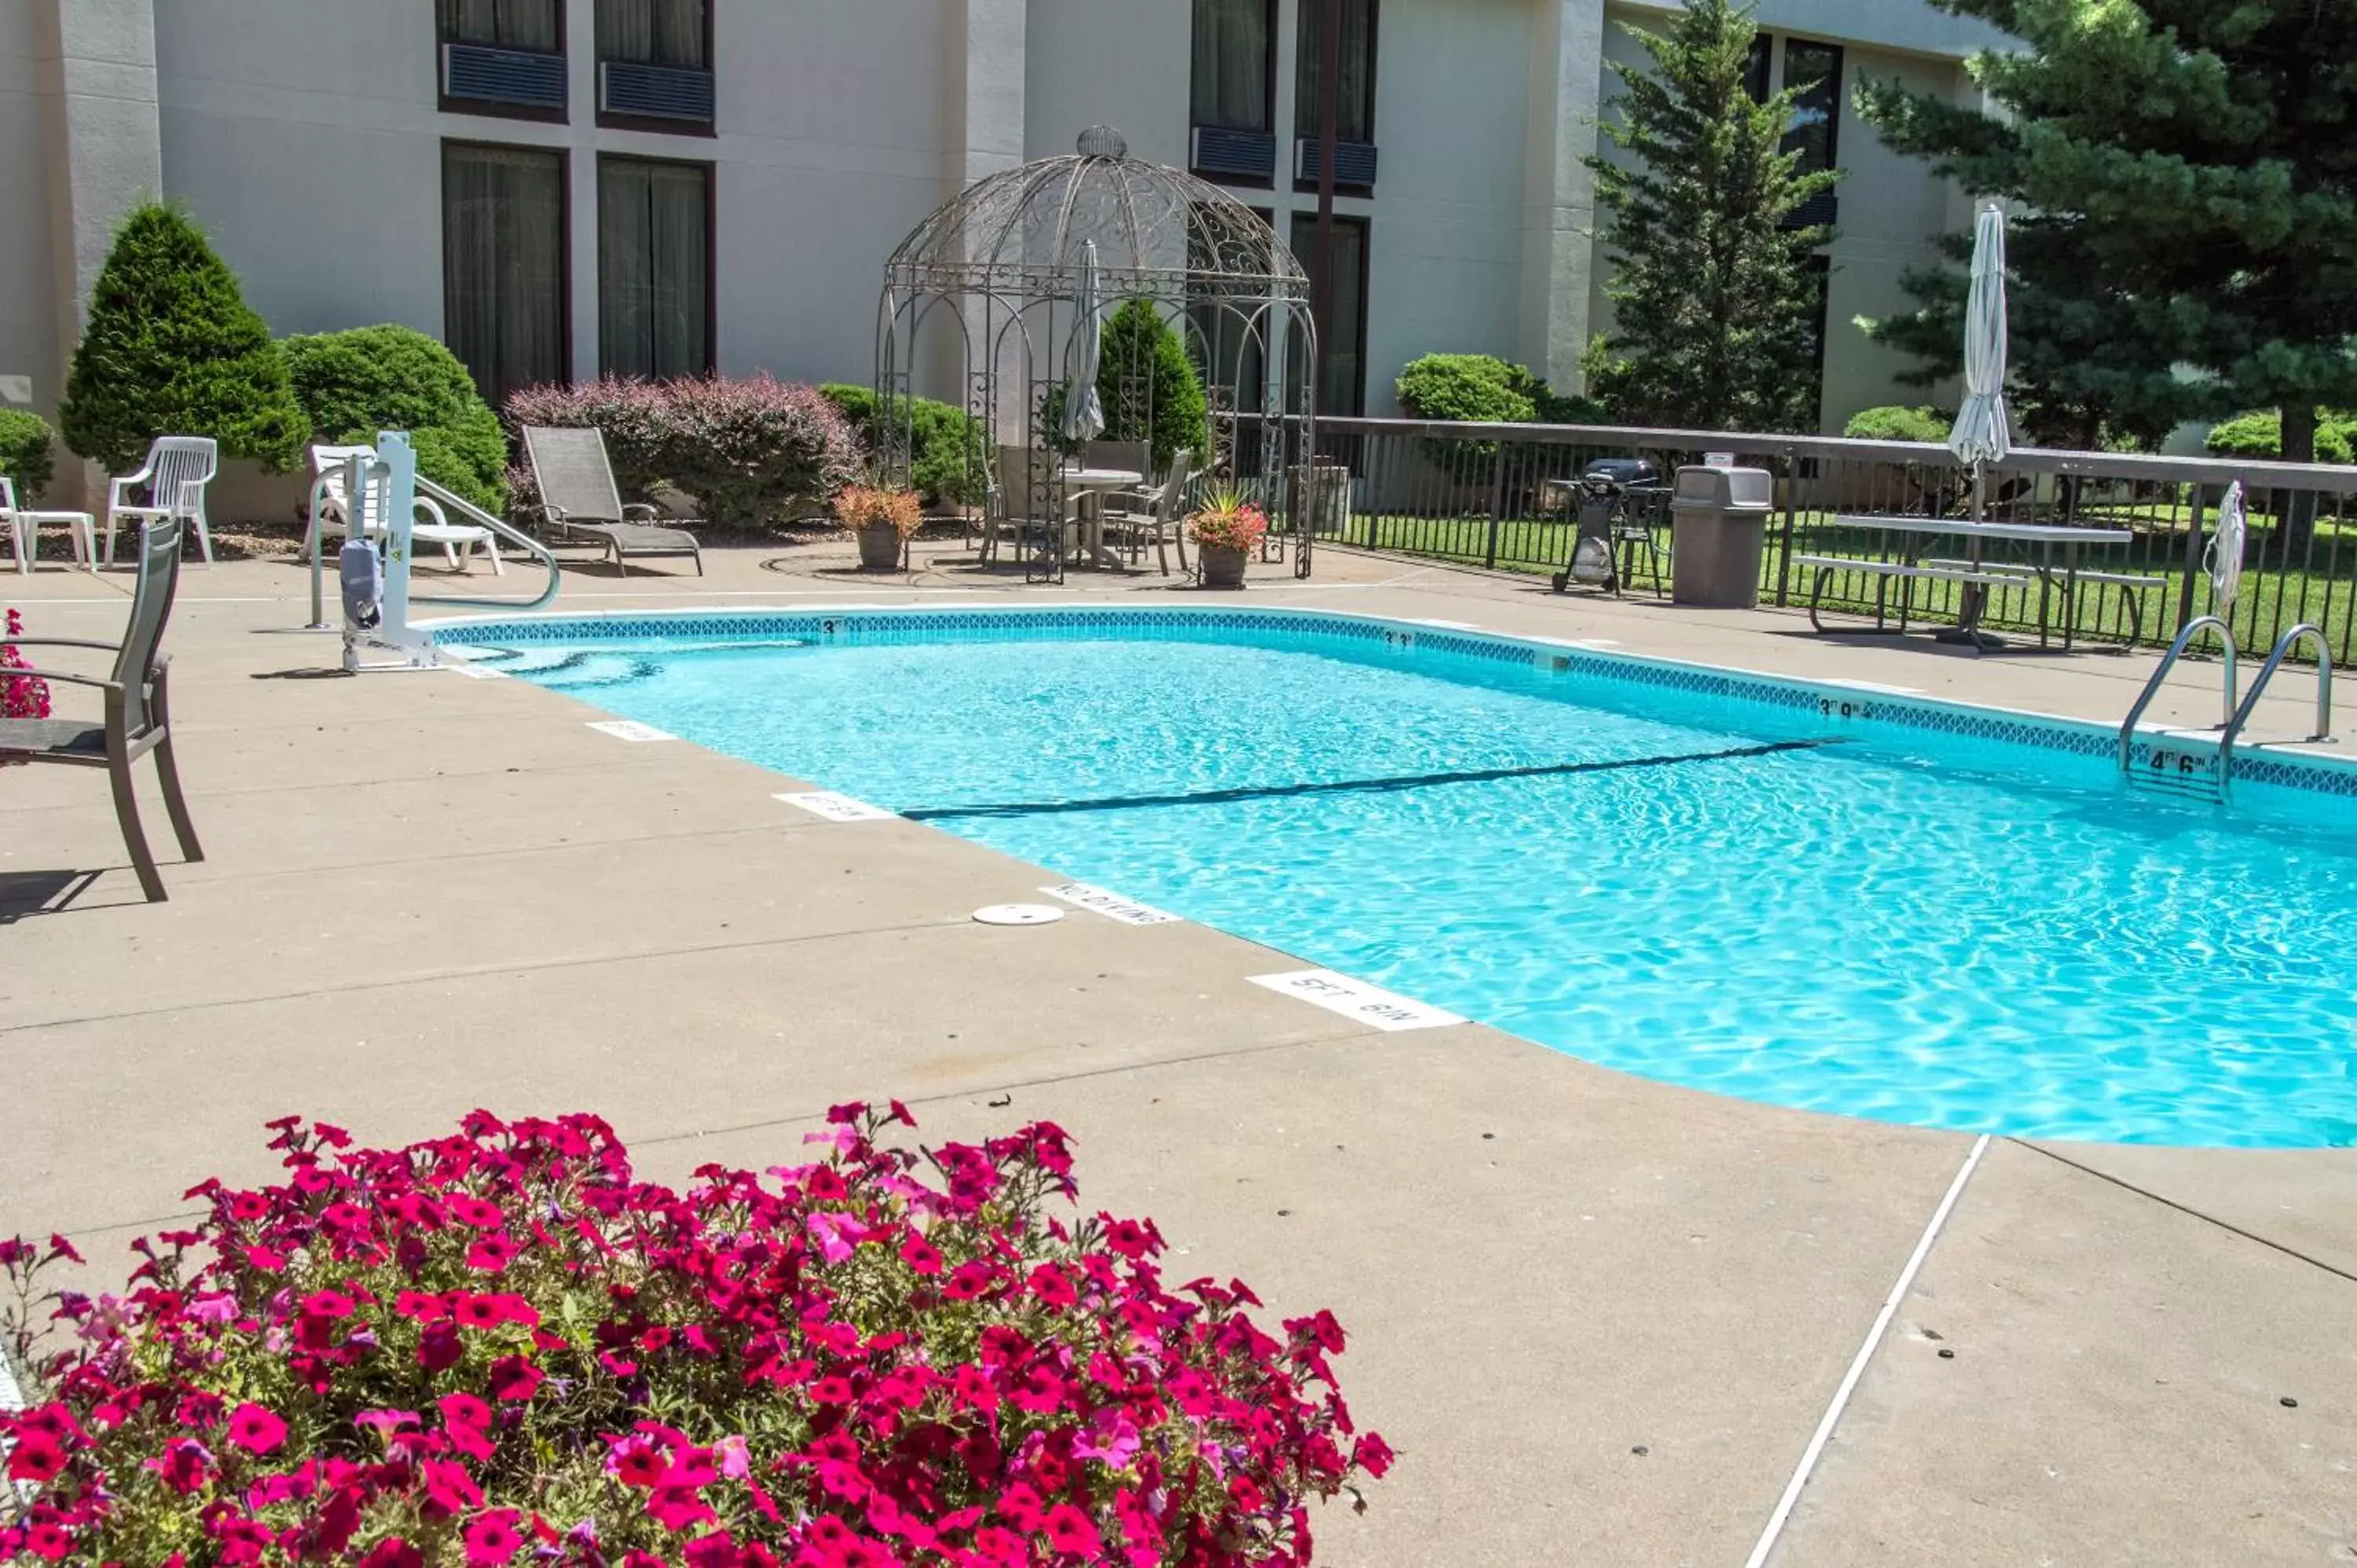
point(2241, 716)
point(505, 529)
point(427, 490)
point(2169, 662)
point(2322, 479)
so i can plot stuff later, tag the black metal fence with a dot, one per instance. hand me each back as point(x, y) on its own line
point(1480, 494)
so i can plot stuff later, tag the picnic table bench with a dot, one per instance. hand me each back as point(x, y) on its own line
point(1977, 574)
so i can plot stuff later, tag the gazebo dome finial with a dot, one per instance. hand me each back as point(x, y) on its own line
point(1104, 141)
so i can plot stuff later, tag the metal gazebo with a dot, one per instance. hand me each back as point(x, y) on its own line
point(989, 297)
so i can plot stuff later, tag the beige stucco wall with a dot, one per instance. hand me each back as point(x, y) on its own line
point(28, 335)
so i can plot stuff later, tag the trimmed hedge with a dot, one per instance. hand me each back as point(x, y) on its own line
point(1484, 389)
point(171, 348)
point(947, 463)
point(745, 450)
point(2260, 436)
point(25, 455)
point(1894, 422)
point(353, 385)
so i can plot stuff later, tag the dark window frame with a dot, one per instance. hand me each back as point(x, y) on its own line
point(1759, 68)
point(1837, 60)
point(1365, 224)
point(1304, 102)
point(1268, 96)
point(564, 156)
point(486, 109)
point(707, 129)
point(711, 251)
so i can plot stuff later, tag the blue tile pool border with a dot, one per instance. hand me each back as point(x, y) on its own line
point(1850, 705)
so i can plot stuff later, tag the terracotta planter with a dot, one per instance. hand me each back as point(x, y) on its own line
point(1223, 565)
point(879, 548)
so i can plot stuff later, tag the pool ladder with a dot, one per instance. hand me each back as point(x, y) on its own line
point(2187, 773)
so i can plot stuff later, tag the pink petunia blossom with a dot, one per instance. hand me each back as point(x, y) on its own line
point(492, 1539)
point(256, 1430)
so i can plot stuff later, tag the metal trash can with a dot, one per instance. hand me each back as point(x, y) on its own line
point(1718, 530)
point(1323, 492)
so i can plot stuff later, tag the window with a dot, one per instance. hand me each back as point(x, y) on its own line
point(1813, 71)
point(1235, 65)
point(1755, 68)
point(654, 268)
point(503, 274)
point(675, 33)
point(534, 24)
point(1355, 113)
point(1342, 331)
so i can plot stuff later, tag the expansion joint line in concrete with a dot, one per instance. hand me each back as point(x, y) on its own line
point(2232, 1228)
point(1906, 1282)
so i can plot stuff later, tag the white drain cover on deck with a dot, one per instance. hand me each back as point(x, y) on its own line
point(1017, 914)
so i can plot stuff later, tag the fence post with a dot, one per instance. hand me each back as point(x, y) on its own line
point(1497, 503)
point(1792, 502)
point(2192, 564)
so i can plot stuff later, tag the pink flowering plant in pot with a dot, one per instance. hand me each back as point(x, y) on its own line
point(501, 1346)
point(22, 696)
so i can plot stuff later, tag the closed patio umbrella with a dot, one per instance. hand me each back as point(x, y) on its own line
point(1083, 410)
point(1983, 433)
point(2226, 551)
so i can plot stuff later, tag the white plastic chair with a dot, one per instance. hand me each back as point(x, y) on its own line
point(331, 511)
point(178, 469)
point(20, 527)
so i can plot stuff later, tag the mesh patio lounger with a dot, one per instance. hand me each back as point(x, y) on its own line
point(577, 493)
point(138, 717)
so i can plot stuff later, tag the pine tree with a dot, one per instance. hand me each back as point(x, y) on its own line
point(171, 348)
point(2189, 172)
point(1716, 309)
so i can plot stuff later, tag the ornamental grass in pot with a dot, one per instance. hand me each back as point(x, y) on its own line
point(883, 518)
point(1226, 530)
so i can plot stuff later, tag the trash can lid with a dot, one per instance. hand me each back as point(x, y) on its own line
point(1740, 487)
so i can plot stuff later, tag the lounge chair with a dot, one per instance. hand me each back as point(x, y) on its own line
point(137, 712)
point(578, 497)
point(1157, 513)
point(178, 469)
point(332, 512)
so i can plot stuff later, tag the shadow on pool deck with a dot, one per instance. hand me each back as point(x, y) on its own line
point(1600, 1317)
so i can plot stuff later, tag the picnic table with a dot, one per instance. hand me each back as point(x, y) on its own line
point(2010, 543)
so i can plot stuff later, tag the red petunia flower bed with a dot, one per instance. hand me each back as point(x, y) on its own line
point(501, 1348)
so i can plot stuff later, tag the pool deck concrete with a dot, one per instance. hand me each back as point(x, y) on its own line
point(1599, 1317)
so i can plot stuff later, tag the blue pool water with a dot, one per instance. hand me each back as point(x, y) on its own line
point(1761, 902)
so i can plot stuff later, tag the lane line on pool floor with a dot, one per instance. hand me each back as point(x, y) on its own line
point(1874, 1337)
point(1359, 785)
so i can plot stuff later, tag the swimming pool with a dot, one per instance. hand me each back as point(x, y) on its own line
point(1818, 897)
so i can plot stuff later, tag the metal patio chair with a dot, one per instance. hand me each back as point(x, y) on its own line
point(578, 496)
point(1155, 514)
point(138, 717)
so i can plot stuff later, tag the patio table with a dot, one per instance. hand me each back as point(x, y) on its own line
point(1976, 575)
point(1093, 485)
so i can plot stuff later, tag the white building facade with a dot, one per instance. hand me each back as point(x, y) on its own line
point(562, 187)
